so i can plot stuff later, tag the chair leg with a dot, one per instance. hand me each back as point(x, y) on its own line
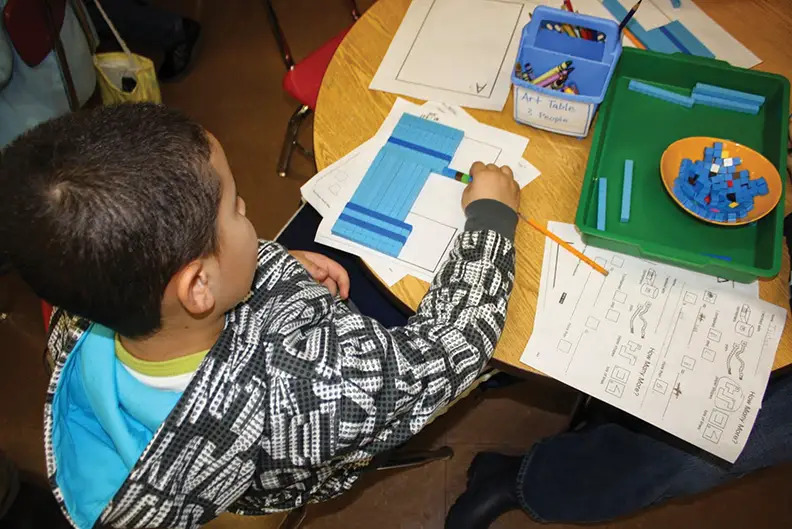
point(409, 459)
point(355, 10)
point(294, 519)
point(291, 138)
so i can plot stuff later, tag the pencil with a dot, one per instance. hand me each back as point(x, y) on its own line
point(547, 233)
point(629, 16)
point(633, 39)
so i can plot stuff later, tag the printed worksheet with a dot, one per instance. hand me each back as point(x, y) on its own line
point(686, 352)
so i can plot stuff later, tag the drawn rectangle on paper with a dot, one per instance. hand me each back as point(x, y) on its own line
point(442, 60)
point(718, 418)
point(660, 386)
point(619, 296)
point(620, 374)
point(614, 388)
point(688, 362)
point(708, 354)
point(612, 315)
point(564, 346)
point(457, 51)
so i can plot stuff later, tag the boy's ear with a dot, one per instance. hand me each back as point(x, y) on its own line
point(192, 289)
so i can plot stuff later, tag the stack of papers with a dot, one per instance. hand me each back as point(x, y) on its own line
point(436, 216)
point(687, 352)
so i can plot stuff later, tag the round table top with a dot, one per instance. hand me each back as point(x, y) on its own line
point(348, 113)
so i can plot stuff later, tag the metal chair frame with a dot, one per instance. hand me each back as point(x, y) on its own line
point(303, 111)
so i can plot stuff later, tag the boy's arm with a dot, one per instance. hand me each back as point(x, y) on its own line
point(374, 387)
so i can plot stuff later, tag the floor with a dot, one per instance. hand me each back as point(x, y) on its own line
point(234, 90)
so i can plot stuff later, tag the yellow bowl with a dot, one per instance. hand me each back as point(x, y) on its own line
point(756, 164)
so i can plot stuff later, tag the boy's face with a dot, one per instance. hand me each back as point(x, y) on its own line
point(237, 241)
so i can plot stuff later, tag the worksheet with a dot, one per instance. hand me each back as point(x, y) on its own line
point(686, 352)
point(455, 51)
point(437, 217)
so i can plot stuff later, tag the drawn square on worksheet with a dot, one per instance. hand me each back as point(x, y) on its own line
point(688, 362)
point(708, 354)
point(617, 261)
point(718, 418)
point(612, 315)
point(619, 296)
point(660, 386)
point(601, 261)
point(564, 346)
point(614, 388)
point(690, 297)
point(714, 335)
point(592, 323)
point(620, 374)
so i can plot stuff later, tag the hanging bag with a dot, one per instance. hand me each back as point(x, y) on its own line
point(125, 77)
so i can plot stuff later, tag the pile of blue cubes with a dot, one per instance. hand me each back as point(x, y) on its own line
point(715, 189)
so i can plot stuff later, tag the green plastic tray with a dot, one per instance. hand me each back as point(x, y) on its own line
point(638, 127)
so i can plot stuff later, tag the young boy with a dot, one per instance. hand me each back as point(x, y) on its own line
point(199, 370)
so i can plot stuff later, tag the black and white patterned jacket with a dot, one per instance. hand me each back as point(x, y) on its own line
point(299, 393)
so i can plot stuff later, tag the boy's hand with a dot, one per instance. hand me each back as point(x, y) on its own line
point(325, 271)
point(491, 181)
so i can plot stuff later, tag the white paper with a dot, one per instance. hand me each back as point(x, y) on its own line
point(648, 15)
point(436, 216)
point(456, 51)
point(686, 352)
point(711, 35)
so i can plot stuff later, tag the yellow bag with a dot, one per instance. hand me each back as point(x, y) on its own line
point(113, 67)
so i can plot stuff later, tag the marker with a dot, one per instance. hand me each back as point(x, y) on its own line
point(552, 71)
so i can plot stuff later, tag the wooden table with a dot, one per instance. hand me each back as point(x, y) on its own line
point(348, 113)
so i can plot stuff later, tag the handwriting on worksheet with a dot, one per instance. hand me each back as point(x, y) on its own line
point(687, 352)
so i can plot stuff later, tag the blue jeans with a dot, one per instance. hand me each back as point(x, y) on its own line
point(606, 471)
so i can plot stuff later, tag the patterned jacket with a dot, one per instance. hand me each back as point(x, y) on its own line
point(299, 393)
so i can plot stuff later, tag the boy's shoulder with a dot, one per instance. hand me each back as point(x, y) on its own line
point(64, 331)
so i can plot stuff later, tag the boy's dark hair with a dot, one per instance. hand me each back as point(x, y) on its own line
point(99, 209)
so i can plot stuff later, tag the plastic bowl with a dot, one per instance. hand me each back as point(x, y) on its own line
point(752, 161)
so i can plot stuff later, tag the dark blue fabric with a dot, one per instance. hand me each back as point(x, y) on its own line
point(366, 292)
point(607, 470)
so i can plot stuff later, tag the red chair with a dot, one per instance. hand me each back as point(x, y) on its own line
point(302, 81)
point(46, 313)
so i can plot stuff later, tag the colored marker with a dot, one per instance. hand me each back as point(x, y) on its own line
point(552, 71)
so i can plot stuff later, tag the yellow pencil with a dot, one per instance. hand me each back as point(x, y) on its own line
point(629, 34)
point(547, 233)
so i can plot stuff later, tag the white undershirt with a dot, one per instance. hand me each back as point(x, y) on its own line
point(169, 383)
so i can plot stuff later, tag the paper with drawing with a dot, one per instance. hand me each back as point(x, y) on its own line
point(436, 217)
point(686, 352)
point(457, 51)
